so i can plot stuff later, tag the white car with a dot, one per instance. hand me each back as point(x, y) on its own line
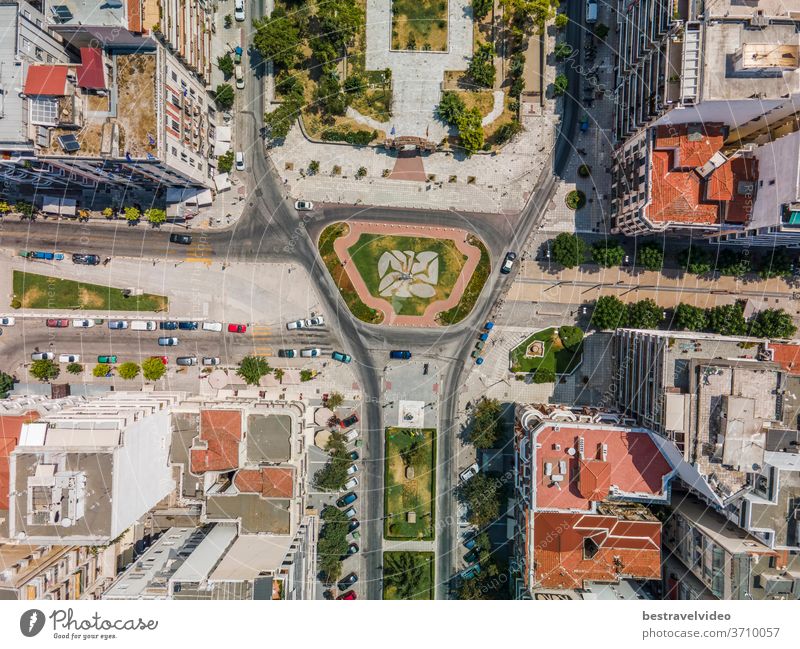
point(143, 325)
point(310, 353)
point(303, 206)
point(7, 322)
point(297, 324)
point(239, 161)
point(470, 472)
point(69, 358)
point(351, 484)
point(316, 321)
point(42, 356)
point(212, 326)
point(239, 77)
point(351, 435)
point(210, 360)
point(238, 10)
point(352, 469)
point(83, 324)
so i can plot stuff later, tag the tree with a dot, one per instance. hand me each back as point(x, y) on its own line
point(450, 108)
point(252, 369)
point(129, 370)
point(772, 323)
point(25, 209)
point(329, 94)
point(225, 162)
point(44, 370)
point(335, 399)
point(568, 250)
point(570, 336)
point(481, 67)
point(651, 256)
point(153, 369)
point(332, 543)
point(225, 65)
point(405, 573)
point(354, 84)
point(5, 208)
point(333, 475)
point(470, 130)
point(6, 384)
point(486, 423)
point(224, 96)
point(481, 8)
point(562, 20)
point(560, 84)
point(277, 39)
point(644, 314)
point(313, 167)
point(733, 263)
point(339, 21)
point(279, 374)
point(609, 313)
point(607, 254)
point(155, 216)
point(483, 494)
point(727, 319)
point(601, 30)
point(537, 12)
point(778, 264)
point(544, 375)
point(74, 368)
point(306, 375)
point(691, 318)
point(132, 214)
point(414, 452)
point(695, 260)
point(101, 369)
point(562, 50)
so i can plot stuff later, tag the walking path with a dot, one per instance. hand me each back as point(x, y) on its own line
point(497, 108)
point(427, 319)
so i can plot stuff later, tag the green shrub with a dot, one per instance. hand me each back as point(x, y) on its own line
point(576, 199)
point(570, 336)
point(356, 138)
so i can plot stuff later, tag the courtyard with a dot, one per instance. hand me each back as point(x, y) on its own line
point(551, 351)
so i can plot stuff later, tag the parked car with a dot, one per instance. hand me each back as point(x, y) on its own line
point(470, 542)
point(166, 341)
point(347, 422)
point(350, 594)
point(210, 360)
point(239, 76)
point(8, 322)
point(508, 263)
point(69, 358)
point(143, 325)
point(353, 468)
point(349, 513)
point(107, 359)
point(347, 499)
point(117, 324)
point(238, 10)
point(470, 472)
point(311, 352)
point(237, 328)
point(353, 456)
point(352, 549)
point(346, 582)
point(42, 356)
point(188, 325)
point(239, 159)
point(87, 260)
point(57, 322)
point(168, 325)
point(342, 358)
point(211, 326)
point(297, 324)
point(287, 353)
point(183, 239)
point(471, 572)
point(400, 354)
point(350, 435)
point(591, 11)
point(316, 321)
point(303, 206)
point(472, 556)
point(186, 360)
point(353, 525)
point(83, 324)
point(352, 483)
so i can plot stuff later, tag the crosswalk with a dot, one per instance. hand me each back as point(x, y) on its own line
point(262, 340)
point(199, 252)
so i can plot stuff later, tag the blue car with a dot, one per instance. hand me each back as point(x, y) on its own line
point(342, 358)
point(471, 572)
point(188, 326)
point(168, 324)
point(400, 354)
point(347, 499)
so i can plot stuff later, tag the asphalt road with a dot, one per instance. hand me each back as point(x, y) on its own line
point(271, 230)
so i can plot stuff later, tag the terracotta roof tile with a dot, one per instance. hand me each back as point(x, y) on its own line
point(219, 441)
point(10, 427)
point(787, 356)
point(270, 482)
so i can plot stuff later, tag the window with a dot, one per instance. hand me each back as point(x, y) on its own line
point(174, 151)
point(174, 76)
point(772, 182)
point(176, 126)
point(176, 101)
point(39, 53)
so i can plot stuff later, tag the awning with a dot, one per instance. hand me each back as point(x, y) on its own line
point(222, 182)
point(60, 206)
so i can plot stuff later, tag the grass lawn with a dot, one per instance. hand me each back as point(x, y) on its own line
point(556, 358)
point(415, 494)
point(42, 292)
point(340, 278)
point(473, 290)
point(417, 23)
point(369, 249)
point(423, 574)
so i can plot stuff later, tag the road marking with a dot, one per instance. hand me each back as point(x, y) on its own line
point(261, 334)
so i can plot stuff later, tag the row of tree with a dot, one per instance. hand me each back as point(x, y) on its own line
point(332, 544)
point(151, 369)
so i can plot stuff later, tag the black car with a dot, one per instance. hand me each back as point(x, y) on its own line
point(169, 325)
point(184, 239)
point(87, 260)
point(401, 354)
point(352, 549)
point(508, 263)
point(353, 455)
point(353, 525)
point(188, 326)
point(346, 582)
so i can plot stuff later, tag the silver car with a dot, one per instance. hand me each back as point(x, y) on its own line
point(210, 360)
point(303, 206)
point(310, 353)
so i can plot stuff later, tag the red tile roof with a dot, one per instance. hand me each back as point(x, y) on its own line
point(632, 463)
point(619, 548)
point(743, 173)
point(10, 427)
point(270, 482)
point(787, 356)
point(695, 145)
point(675, 194)
point(134, 16)
point(46, 80)
point(91, 71)
point(220, 437)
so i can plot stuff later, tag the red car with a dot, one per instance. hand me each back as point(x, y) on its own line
point(350, 594)
point(163, 359)
point(237, 328)
point(52, 322)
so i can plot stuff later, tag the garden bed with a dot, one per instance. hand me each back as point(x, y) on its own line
point(404, 494)
point(419, 25)
point(545, 351)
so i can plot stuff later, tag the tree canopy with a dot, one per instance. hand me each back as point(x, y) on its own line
point(252, 369)
point(690, 318)
point(484, 494)
point(44, 370)
point(772, 323)
point(651, 256)
point(486, 423)
point(224, 96)
point(277, 39)
point(470, 130)
point(609, 313)
point(450, 108)
point(608, 254)
point(569, 250)
point(153, 369)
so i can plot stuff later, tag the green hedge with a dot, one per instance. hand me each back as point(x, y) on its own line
point(358, 138)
